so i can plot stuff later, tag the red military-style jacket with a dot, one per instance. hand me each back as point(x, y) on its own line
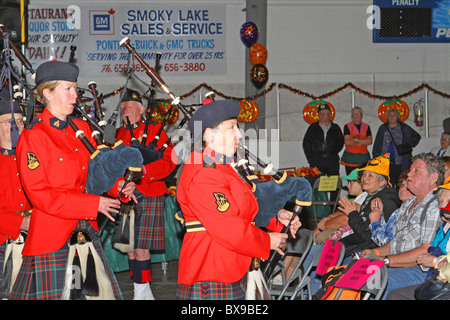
point(213, 194)
point(12, 198)
point(151, 184)
point(53, 165)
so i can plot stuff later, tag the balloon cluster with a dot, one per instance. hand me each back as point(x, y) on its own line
point(257, 54)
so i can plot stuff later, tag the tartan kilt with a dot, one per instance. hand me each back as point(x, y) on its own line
point(42, 277)
point(149, 222)
point(211, 290)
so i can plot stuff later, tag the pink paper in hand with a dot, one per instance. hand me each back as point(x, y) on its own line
point(329, 257)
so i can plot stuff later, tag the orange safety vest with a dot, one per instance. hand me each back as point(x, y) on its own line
point(355, 133)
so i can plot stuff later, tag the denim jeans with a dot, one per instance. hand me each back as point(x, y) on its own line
point(316, 283)
point(404, 277)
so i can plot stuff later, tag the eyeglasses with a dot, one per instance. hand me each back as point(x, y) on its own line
point(7, 122)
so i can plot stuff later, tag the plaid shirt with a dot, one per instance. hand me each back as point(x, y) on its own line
point(409, 232)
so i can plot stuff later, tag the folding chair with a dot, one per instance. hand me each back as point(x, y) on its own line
point(384, 277)
point(317, 198)
point(374, 286)
point(305, 280)
point(299, 246)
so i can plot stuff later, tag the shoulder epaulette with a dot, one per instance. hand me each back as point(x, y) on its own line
point(35, 121)
point(208, 162)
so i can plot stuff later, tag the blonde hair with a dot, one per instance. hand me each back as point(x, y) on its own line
point(38, 92)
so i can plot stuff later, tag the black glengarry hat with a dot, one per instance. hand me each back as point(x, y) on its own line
point(56, 70)
point(5, 107)
point(213, 113)
point(131, 95)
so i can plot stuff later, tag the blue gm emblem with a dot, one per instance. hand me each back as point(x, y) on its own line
point(102, 22)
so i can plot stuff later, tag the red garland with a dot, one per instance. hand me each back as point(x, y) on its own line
point(297, 91)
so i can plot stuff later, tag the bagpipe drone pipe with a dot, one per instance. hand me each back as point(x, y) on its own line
point(9, 80)
point(273, 195)
point(151, 151)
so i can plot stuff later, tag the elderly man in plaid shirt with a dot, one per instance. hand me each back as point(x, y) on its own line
point(416, 225)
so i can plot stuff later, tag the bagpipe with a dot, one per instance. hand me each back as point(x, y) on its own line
point(151, 151)
point(9, 87)
point(103, 132)
point(157, 80)
point(149, 106)
point(284, 186)
point(273, 195)
point(17, 52)
point(107, 164)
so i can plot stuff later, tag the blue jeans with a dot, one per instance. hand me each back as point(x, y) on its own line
point(316, 283)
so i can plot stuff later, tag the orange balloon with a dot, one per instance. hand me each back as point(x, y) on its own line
point(310, 113)
point(249, 111)
point(400, 105)
point(257, 54)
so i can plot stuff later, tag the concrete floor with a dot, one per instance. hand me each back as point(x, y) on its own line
point(164, 283)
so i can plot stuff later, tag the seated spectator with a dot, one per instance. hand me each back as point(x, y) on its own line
point(439, 248)
point(444, 149)
point(375, 181)
point(417, 222)
point(329, 226)
point(382, 231)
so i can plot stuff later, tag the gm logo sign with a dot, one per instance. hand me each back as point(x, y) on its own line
point(101, 22)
